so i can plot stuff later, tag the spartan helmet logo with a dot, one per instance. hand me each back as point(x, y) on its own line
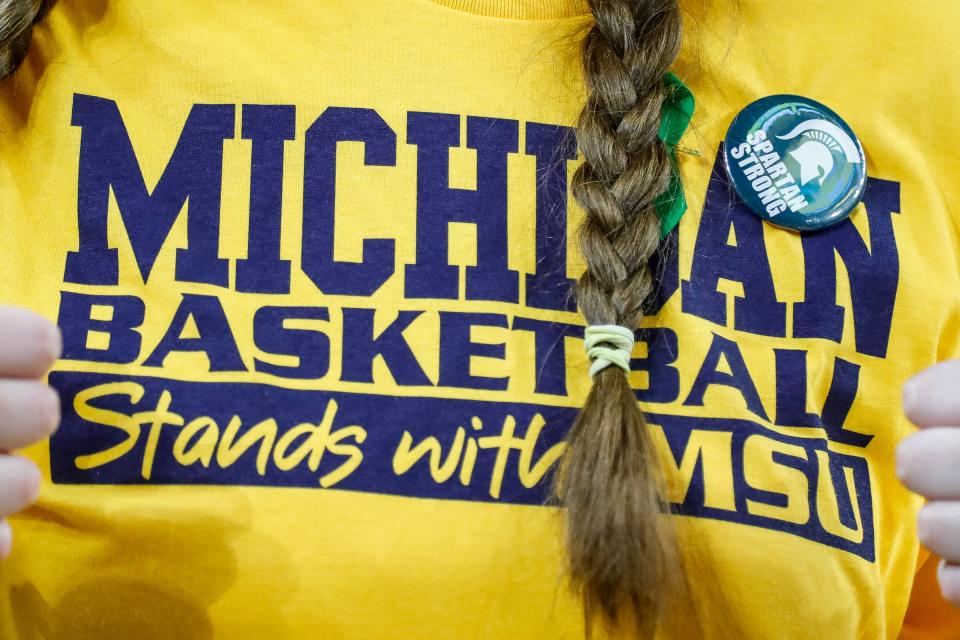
point(815, 153)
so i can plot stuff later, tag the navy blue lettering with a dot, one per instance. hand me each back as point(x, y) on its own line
point(738, 378)
point(792, 397)
point(76, 324)
point(215, 337)
point(746, 262)
point(838, 478)
point(840, 397)
point(792, 390)
point(194, 174)
point(311, 347)
point(551, 354)
point(873, 272)
point(774, 498)
point(678, 441)
point(457, 348)
point(361, 348)
point(268, 127)
point(549, 287)
point(663, 380)
point(340, 124)
point(438, 205)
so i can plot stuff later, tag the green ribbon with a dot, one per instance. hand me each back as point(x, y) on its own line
point(677, 113)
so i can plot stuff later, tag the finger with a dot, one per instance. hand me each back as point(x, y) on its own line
point(29, 343)
point(932, 397)
point(6, 540)
point(19, 484)
point(948, 575)
point(29, 412)
point(938, 527)
point(927, 463)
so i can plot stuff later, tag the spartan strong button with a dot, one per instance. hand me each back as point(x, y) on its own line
point(795, 162)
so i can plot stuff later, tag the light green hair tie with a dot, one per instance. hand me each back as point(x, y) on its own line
point(595, 336)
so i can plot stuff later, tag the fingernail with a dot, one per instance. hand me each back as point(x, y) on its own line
point(902, 457)
point(32, 489)
point(51, 409)
point(6, 540)
point(56, 342)
point(923, 524)
point(910, 392)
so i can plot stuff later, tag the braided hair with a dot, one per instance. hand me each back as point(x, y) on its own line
point(621, 551)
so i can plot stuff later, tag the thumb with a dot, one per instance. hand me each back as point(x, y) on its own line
point(932, 397)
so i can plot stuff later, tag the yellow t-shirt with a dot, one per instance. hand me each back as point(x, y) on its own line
point(312, 262)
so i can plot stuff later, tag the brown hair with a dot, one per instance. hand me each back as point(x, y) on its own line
point(621, 551)
point(16, 25)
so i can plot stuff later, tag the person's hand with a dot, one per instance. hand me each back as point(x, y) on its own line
point(29, 409)
point(928, 463)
